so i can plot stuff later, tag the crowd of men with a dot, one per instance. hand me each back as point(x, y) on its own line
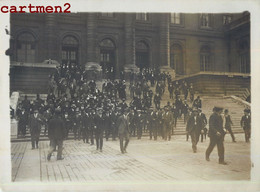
point(91, 113)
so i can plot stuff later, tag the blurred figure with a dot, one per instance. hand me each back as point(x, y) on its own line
point(246, 124)
point(216, 134)
point(57, 133)
point(228, 123)
point(123, 131)
point(35, 124)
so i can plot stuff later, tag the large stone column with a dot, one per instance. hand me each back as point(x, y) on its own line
point(51, 37)
point(91, 38)
point(164, 40)
point(165, 44)
point(129, 42)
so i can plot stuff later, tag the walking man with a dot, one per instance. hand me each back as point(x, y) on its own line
point(194, 127)
point(246, 124)
point(35, 128)
point(216, 134)
point(57, 133)
point(228, 123)
point(123, 131)
point(99, 129)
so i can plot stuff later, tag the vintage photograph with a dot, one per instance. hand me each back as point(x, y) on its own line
point(130, 97)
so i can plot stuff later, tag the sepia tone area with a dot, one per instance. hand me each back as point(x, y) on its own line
point(121, 97)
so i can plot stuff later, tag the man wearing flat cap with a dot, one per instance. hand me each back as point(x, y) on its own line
point(216, 134)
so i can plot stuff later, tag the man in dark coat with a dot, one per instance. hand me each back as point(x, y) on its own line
point(216, 134)
point(22, 122)
point(204, 123)
point(246, 124)
point(154, 124)
point(167, 117)
point(108, 124)
point(139, 124)
point(197, 103)
point(228, 123)
point(123, 130)
point(194, 127)
point(68, 123)
point(157, 101)
point(26, 104)
point(57, 133)
point(35, 124)
point(99, 129)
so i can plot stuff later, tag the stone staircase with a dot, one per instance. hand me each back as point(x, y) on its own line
point(30, 78)
point(236, 111)
point(220, 83)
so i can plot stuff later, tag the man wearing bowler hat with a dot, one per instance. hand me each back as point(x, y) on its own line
point(216, 134)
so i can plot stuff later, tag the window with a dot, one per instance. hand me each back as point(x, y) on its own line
point(205, 20)
point(107, 14)
point(69, 52)
point(142, 55)
point(205, 59)
point(141, 16)
point(176, 58)
point(175, 18)
point(227, 19)
point(244, 57)
point(26, 48)
point(108, 58)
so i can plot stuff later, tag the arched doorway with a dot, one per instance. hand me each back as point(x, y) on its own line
point(70, 49)
point(26, 46)
point(177, 59)
point(142, 55)
point(107, 58)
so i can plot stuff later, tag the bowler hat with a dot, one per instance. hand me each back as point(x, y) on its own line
point(217, 109)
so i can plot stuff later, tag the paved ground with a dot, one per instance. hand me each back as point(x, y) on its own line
point(146, 161)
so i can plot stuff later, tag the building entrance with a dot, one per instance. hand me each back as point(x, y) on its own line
point(107, 58)
point(142, 55)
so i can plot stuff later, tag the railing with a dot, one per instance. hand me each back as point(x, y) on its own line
point(228, 74)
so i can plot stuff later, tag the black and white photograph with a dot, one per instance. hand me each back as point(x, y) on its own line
point(117, 98)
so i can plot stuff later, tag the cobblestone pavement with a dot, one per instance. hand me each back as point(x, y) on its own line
point(145, 161)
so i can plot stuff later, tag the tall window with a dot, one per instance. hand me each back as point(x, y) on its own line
point(175, 18)
point(26, 48)
point(70, 50)
point(177, 59)
point(205, 20)
point(141, 16)
point(107, 14)
point(107, 58)
point(244, 57)
point(142, 55)
point(205, 59)
point(227, 19)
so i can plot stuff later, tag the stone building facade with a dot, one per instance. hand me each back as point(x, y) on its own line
point(183, 43)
